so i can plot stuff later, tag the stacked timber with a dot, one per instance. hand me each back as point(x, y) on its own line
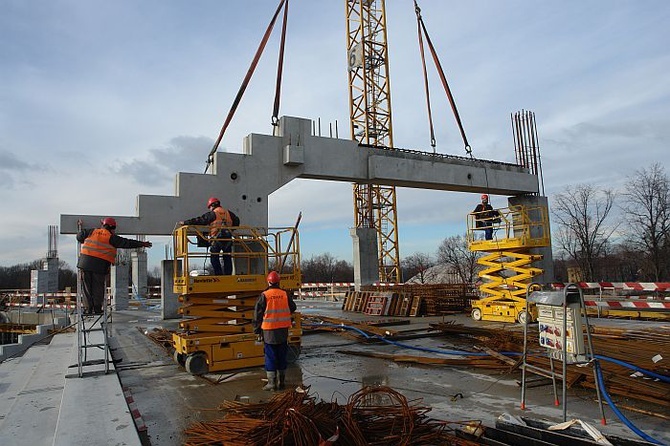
point(411, 299)
point(382, 303)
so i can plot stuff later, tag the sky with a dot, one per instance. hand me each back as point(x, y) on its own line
point(103, 101)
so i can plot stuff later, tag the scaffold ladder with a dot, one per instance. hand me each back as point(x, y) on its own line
point(92, 335)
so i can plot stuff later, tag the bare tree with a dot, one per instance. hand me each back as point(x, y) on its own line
point(647, 210)
point(454, 252)
point(581, 213)
point(417, 265)
point(326, 268)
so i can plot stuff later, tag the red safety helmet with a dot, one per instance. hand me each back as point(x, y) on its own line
point(485, 197)
point(273, 277)
point(212, 200)
point(108, 221)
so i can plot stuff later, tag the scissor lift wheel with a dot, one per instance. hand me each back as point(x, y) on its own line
point(196, 363)
point(522, 317)
point(179, 358)
point(477, 314)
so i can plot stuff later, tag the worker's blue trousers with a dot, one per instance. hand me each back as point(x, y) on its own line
point(275, 357)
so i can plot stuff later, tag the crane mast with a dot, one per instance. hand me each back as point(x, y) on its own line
point(371, 124)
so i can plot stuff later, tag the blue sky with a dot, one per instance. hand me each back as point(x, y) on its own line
point(102, 101)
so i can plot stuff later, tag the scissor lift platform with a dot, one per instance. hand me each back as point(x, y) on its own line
point(216, 333)
point(507, 267)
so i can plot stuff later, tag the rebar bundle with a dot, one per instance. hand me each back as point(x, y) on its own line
point(372, 416)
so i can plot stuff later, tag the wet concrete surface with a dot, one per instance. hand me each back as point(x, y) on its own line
point(169, 399)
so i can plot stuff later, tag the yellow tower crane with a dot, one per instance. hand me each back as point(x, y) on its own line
point(371, 124)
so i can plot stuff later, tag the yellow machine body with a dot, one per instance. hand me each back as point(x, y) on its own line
point(216, 332)
point(233, 351)
point(507, 267)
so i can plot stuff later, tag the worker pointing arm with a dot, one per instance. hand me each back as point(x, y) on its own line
point(98, 253)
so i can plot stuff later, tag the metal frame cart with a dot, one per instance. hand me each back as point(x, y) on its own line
point(561, 321)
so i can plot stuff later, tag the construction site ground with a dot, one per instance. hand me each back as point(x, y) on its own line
point(167, 400)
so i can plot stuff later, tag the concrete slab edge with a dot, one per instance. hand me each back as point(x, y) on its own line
point(25, 341)
point(134, 411)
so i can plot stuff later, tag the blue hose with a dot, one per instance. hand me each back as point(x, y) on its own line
point(634, 367)
point(617, 412)
point(399, 344)
point(460, 352)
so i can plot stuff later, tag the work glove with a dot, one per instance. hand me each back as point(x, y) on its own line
point(259, 338)
point(147, 244)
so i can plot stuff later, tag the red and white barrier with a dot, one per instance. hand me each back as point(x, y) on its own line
point(626, 304)
point(327, 284)
point(624, 286)
point(46, 306)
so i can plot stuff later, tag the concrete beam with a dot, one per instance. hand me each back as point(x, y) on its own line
point(243, 182)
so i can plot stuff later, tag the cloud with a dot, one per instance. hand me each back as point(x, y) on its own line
point(158, 168)
point(14, 172)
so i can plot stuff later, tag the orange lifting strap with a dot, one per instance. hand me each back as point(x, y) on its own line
point(250, 72)
point(421, 30)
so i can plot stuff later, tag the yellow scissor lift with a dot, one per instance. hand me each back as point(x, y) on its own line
point(217, 333)
point(508, 269)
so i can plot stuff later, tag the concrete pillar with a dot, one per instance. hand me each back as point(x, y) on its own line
point(366, 267)
point(547, 262)
point(51, 264)
point(38, 287)
point(119, 286)
point(169, 299)
point(138, 260)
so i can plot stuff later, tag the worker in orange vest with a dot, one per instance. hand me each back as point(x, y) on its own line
point(98, 253)
point(272, 319)
point(219, 220)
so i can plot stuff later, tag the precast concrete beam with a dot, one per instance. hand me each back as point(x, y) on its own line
point(244, 181)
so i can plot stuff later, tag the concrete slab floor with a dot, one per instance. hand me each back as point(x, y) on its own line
point(169, 399)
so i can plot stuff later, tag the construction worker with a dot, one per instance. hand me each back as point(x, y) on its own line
point(272, 319)
point(485, 217)
point(98, 252)
point(219, 220)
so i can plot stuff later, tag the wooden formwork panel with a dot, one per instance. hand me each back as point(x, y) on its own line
point(375, 305)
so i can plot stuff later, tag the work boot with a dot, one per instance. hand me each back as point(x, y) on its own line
point(272, 377)
point(280, 379)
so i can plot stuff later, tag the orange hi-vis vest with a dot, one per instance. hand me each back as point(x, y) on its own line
point(222, 219)
point(97, 245)
point(277, 312)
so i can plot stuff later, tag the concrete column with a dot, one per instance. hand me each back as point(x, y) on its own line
point(138, 260)
point(119, 286)
point(38, 287)
point(169, 299)
point(547, 262)
point(51, 264)
point(366, 267)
